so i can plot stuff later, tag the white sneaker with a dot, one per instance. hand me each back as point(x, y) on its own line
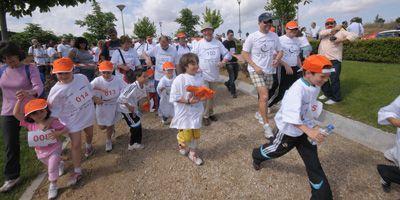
point(268, 131)
point(330, 102)
point(8, 185)
point(61, 168)
point(389, 156)
point(259, 118)
point(53, 191)
point(322, 97)
point(197, 160)
point(108, 145)
point(136, 146)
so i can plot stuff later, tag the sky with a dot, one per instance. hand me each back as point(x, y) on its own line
point(61, 20)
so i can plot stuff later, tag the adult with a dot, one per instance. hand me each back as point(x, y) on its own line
point(96, 50)
point(125, 58)
point(314, 30)
point(63, 48)
point(209, 50)
point(181, 49)
point(356, 27)
point(305, 45)
point(259, 52)
point(139, 47)
point(331, 46)
point(287, 73)
point(40, 57)
point(17, 81)
point(51, 52)
point(111, 45)
point(83, 58)
point(232, 67)
point(149, 46)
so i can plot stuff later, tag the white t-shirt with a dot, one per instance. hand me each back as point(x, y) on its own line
point(356, 28)
point(262, 47)
point(187, 116)
point(291, 50)
point(139, 47)
point(392, 110)
point(166, 109)
point(131, 60)
point(162, 56)
point(297, 108)
point(131, 95)
point(72, 103)
point(303, 41)
point(314, 31)
point(108, 91)
point(38, 52)
point(181, 50)
point(209, 54)
point(96, 54)
point(64, 49)
point(148, 47)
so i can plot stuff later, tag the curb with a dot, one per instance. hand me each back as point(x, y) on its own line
point(361, 133)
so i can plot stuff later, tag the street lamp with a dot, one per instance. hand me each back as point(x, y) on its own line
point(240, 28)
point(160, 27)
point(121, 7)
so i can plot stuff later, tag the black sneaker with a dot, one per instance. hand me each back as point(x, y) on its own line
point(206, 122)
point(234, 95)
point(256, 165)
point(385, 186)
point(213, 118)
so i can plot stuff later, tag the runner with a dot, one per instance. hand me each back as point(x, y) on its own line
point(166, 109)
point(209, 51)
point(233, 66)
point(258, 51)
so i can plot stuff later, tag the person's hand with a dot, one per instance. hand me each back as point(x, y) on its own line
point(289, 70)
point(131, 108)
point(221, 64)
point(316, 135)
point(394, 121)
point(97, 100)
point(124, 67)
point(337, 28)
point(21, 94)
point(258, 70)
point(54, 135)
point(193, 100)
point(275, 63)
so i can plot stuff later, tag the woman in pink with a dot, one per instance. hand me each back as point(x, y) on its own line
point(16, 80)
point(36, 118)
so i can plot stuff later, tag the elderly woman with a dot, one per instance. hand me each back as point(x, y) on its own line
point(83, 58)
point(17, 81)
point(125, 58)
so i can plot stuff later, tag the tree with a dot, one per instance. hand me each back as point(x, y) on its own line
point(144, 28)
point(213, 17)
point(188, 21)
point(379, 20)
point(32, 31)
point(19, 8)
point(98, 23)
point(68, 36)
point(398, 20)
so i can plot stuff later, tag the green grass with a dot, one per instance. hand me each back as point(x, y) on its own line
point(30, 167)
point(366, 87)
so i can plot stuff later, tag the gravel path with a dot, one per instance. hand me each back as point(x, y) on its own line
point(159, 172)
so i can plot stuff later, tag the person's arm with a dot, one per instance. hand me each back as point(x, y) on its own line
point(312, 133)
point(72, 54)
point(325, 33)
point(246, 55)
point(147, 56)
point(37, 84)
point(225, 53)
point(17, 112)
point(288, 68)
point(390, 114)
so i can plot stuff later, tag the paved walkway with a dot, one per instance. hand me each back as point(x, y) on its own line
point(159, 172)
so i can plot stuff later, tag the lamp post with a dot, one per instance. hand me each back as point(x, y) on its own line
point(240, 25)
point(121, 7)
point(160, 27)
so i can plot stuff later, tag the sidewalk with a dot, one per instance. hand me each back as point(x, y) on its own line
point(159, 172)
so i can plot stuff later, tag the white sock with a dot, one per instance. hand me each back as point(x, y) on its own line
point(78, 170)
point(88, 145)
point(53, 185)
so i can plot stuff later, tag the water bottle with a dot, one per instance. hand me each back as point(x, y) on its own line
point(328, 130)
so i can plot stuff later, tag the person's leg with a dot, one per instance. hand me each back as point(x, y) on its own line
point(274, 91)
point(11, 129)
point(209, 105)
point(76, 143)
point(335, 81)
point(89, 135)
point(134, 123)
point(156, 96)
point(283, 86)
point(320, 188)
point(235, 68)
point(389, 174)
point(53, 166)
point(229, 69)
point(262, 103)
point(110, 131)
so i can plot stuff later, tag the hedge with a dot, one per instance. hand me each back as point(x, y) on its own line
point(386, 50)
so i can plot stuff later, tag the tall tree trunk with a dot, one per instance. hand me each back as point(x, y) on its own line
point(3, 24)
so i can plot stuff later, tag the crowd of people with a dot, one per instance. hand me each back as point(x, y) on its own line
point(123, 78)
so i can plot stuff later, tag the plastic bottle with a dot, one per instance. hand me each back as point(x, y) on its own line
point(328, 130)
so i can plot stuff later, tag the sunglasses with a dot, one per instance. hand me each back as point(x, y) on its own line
point(267, 22)
point(329, 23)
point(106, 72)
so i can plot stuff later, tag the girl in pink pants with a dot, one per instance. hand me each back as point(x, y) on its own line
point(36, 118)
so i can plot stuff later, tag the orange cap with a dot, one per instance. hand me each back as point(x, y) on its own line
point(316, 63)
point(34, 105)
point(292, 25)
point(181, 35)
point(62, 65)
point(150, 72)
point(272, 29)
point(330, 20)
point(168, 65)
point(106, 66)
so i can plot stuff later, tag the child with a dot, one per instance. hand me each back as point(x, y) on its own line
point(129, 106)
point(151, 90)
point(391, 115)
point(109, 87)
point(295, 123)
point(36, 117)
point(70, 99)
point(188, 109)
point(166, 108)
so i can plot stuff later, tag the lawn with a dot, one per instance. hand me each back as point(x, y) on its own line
point(30, 167)
point(365, 88)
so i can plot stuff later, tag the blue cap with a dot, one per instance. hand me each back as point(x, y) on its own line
point(265, 17)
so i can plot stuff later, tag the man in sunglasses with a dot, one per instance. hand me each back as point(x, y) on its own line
point(111, 45)
point(331, 46)
point(263, 52)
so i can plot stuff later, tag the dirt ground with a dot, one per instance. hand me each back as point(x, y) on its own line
point(160, 172)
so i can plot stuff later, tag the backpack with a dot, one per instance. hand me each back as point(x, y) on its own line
point(28, 74)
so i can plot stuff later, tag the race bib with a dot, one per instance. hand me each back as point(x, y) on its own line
point(110, 94)
point(315, 109)
point(39, 138)
point(211, 54)
point(79, 98)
